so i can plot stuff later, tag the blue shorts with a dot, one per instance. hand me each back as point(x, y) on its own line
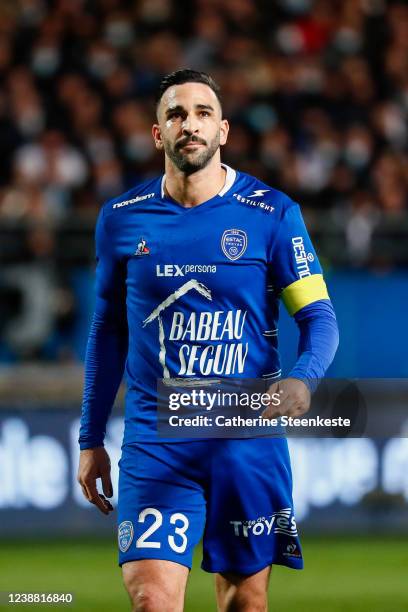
point(235, 494)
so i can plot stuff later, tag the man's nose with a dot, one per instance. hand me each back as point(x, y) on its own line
point(190, 125)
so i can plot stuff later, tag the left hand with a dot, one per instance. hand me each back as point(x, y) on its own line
point(294, 396)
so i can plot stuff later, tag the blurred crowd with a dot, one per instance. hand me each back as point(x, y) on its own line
point(316, 92)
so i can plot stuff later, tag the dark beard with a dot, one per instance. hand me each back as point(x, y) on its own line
point(200, 161)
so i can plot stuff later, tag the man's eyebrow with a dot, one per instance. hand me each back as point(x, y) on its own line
point(179, 108)
point(204, 106)
point(173, 109)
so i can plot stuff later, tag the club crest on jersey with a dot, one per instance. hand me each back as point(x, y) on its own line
point(125, 535)
point(234, 243)
point(142, 248)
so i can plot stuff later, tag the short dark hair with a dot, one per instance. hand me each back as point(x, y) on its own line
point(179, 77)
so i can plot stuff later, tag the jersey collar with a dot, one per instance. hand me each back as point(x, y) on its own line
point(229, 181)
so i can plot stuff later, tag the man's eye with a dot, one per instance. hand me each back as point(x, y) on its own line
point(204, 114)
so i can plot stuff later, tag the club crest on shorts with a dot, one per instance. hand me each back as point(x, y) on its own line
point(125, 535)
point(234, 243)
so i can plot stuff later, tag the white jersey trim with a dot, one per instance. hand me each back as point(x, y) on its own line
point(229, 181)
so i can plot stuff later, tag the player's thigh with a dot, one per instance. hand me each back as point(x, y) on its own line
point(161, 513)
point(155, 584)
point(242, 592)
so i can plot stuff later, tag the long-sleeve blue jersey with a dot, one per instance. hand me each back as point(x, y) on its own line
point(194, 293)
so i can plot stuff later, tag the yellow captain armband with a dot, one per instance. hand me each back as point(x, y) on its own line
point(303, 292)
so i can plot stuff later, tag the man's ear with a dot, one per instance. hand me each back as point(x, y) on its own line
point(224, 129)
point(156, 133)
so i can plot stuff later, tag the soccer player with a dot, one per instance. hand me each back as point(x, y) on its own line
point(190, 269)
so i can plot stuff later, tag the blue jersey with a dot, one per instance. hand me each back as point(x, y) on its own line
point(196, 290)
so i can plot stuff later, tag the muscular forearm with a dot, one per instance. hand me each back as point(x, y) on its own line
point(104, 365)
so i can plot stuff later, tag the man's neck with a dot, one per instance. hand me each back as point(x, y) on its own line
point(194, 189)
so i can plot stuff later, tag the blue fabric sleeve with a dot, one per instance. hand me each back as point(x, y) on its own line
point(318, 342)
point(107, 342)
point(293, 256)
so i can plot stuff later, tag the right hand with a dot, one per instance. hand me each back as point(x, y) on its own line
point(94, 463)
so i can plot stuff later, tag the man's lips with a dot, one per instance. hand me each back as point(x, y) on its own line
point(191, 145)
